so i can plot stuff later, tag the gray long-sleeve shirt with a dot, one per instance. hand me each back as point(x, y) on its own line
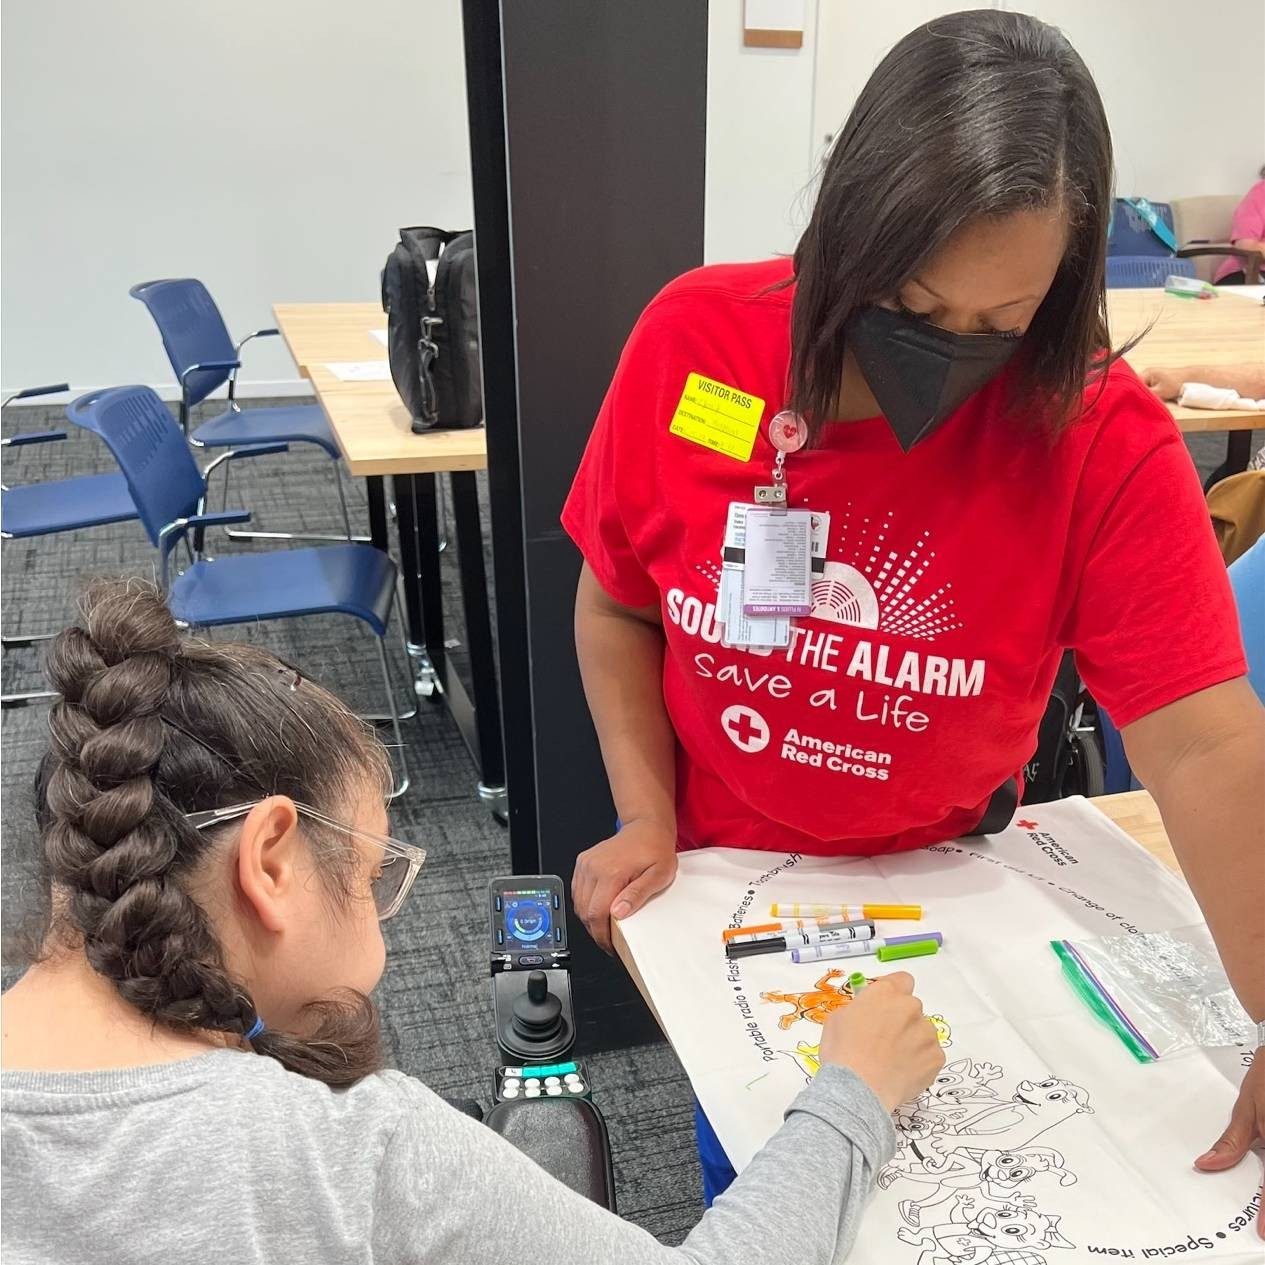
point(227, 1156)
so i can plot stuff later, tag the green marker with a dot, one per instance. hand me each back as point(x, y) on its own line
point(912, 949)
point(856, 982)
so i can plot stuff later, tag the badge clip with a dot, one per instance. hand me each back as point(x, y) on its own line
point(788, 432)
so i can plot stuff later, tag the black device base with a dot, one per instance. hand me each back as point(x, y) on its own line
point(567, 1138)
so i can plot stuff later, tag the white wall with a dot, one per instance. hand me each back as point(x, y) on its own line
point(273, 148)
point(759, 138)
point(270, 148)
point(1187, 111)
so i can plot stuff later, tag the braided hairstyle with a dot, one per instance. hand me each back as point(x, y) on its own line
point(152, 724)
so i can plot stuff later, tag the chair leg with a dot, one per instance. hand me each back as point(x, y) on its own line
point(27, 639)
point(238, 534)
point(401, 776)
point(342, 499)
point(21, 700)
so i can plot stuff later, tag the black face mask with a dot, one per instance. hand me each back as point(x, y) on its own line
point(919, 373)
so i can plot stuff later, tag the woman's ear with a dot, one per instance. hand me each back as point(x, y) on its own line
point(270, 857)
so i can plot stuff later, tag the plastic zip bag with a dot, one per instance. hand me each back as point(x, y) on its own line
point(1159, 991)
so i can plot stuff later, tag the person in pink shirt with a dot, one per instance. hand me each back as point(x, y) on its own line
point(1247, 230)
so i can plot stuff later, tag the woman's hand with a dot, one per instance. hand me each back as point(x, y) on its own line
point(1246, 1130)
point(885, 1038)
point(617, 876)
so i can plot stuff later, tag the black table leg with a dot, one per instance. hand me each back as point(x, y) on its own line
point(1238, 452)
point(474, 597)
point(377, 512)
point(406, 525)
point(429, 585)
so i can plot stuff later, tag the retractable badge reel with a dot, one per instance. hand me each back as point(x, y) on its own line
point(788, 432)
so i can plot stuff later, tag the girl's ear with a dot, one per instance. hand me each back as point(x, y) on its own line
point(269, 857)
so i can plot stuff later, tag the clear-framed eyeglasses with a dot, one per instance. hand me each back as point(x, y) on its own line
point(394, 875)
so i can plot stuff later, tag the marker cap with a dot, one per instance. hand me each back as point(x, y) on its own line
point(753, 948)
point(915, 948)
point(920, 938)
point(893, 911)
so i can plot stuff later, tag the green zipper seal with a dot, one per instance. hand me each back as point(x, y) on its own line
point(1089, 994)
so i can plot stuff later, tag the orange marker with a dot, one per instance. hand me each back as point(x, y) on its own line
point(798, 910)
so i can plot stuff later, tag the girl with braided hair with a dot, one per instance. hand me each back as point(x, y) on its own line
point(214, 834)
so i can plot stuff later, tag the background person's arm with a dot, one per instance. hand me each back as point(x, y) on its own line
point(1167, 381)
point(620, 650)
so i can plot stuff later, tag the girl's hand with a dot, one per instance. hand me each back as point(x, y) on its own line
point(1245, 1130)
point(885, 1038)
point(617, 876)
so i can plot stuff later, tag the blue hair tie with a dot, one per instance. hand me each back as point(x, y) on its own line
point(256, 1028)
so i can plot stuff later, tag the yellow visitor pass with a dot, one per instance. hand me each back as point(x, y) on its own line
point(718, 417)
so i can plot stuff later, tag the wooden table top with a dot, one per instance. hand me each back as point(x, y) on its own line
point(1134, 812)
point(369, 419)
point(1221, 331)
point(373, 430)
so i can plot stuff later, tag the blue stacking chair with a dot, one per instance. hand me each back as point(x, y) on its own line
point(204, 357)
point(44, 509)
point(1142, 246)
point(1247, 580)
point(170, 495)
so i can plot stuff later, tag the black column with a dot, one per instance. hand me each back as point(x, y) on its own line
point(601, 108)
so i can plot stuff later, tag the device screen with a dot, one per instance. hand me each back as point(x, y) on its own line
point(528, 920)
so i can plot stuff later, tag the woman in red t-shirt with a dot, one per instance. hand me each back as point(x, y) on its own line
point(989, 486)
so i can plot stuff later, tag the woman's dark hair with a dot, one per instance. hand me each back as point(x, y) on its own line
point(977, 114)
point(152, 724)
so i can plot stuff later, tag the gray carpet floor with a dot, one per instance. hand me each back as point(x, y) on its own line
point(435, 997)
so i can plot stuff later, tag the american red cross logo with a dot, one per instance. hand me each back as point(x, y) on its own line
point(746, 728)
point(1026, 825)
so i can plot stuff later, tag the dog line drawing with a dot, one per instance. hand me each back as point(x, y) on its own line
point(1015, 1234)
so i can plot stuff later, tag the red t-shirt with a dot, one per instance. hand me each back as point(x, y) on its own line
point(956, 575)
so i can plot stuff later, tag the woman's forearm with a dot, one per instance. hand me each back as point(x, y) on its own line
point(1213, 805)
point(621, 662)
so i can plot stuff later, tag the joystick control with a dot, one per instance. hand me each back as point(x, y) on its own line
point(537, 1012)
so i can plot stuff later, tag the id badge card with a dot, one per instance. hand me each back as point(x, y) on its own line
point(778, 573)
point(742, 629)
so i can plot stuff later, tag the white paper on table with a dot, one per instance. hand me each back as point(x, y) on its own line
point(360, 370)
point(1255, 293)
point(1117, 1175)
point(380, 335)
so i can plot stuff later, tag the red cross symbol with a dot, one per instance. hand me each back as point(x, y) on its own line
point(747, 729)
point(1026, 825)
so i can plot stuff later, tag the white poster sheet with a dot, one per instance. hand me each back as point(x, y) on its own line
point(1043, 1142)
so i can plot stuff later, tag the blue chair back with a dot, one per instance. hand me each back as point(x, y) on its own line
point(138, 429)
point(1143, 272)
point(1247, 579)
point(1130, 234)
point(192, 329)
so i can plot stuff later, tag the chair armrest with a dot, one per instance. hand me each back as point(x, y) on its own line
point(30, 392)
point(1253, 261)
point(33, 437)
point(209, 364)
point(1190, 252)
point(259, 333)
point(216, 518)
point(252, 450)
point(175, 531)
point(232, 377)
